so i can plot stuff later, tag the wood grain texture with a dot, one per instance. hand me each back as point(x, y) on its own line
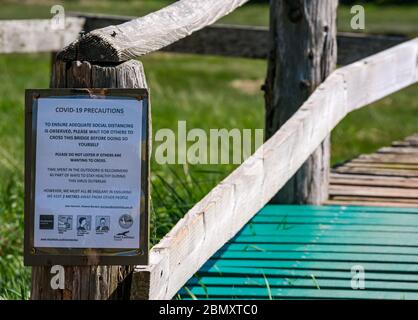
point(37, 35)
point(249, 41)
point(386, 192)
point(373, 181)
point(398, 151)
point(90, 282)
point(232, 203)
point(378, 171)
point(388, 158)
point(303, 54)
point(149, 33)
point(389, 177)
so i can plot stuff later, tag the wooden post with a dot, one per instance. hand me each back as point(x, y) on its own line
point(303, 53)
point(90, 282)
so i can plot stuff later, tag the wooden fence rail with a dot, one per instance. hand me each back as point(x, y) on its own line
point(232, 203)
point(37, 35)
point(250, 41)
point(23, 36)
point(150, 33)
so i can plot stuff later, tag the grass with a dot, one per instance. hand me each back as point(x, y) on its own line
point(208, 92)
point(14, 277)
point(365, 130)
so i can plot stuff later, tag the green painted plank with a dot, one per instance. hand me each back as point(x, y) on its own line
point(277, 227)
point(311, 282)
point(312, 208)
point(394, 238)
point(331, 247)
point(289, 273)
point(319, 265)
point(273, 230)
point(392, 221)
point(346, 214)
point(295, 293)
point(292, 256)
point(307, 218)
point(322, 239)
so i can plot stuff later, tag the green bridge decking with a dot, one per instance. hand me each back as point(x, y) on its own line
point(305, 252)
point(293, 252)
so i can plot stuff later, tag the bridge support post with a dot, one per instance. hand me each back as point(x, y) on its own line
point(89, 282)
point(303, 53)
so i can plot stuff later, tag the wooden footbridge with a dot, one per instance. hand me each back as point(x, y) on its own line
point(362, 214)
point(387, 178)
point(371, 222)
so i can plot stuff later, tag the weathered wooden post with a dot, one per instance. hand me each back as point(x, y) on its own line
point(90, 282)
point(303, 53)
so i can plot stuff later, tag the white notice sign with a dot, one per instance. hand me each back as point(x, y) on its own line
point(88, 173)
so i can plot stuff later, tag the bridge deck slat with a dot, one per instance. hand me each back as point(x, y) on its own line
point(385, 178)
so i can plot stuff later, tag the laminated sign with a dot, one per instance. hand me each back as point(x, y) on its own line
point(87, 177)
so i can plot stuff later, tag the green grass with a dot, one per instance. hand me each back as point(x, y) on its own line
point(387, 120)
point(14, 277)
point(17, 73)
point(208, 92)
